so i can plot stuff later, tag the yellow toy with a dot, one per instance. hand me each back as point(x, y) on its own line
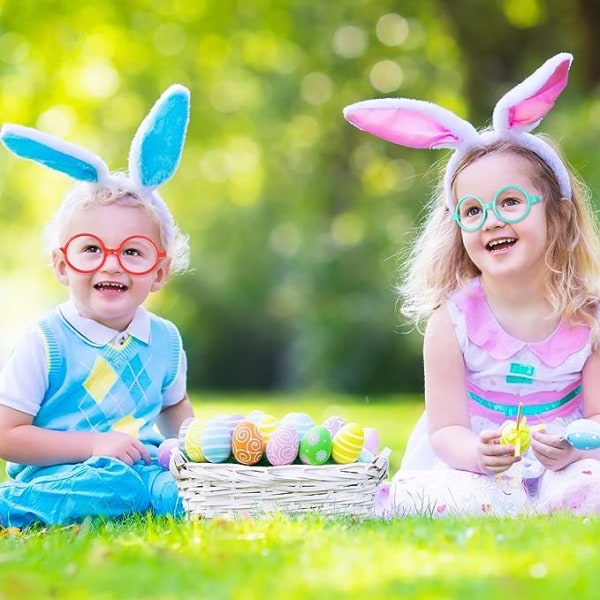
point(517, 434)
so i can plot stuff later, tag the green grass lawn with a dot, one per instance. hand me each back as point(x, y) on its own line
point(308, 557)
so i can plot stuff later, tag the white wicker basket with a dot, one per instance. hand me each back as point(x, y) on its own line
point(211, 490)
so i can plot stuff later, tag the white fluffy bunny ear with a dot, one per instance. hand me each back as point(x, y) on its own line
point(56, 154)
point(158, 143)
point(522, 108)
point(420, 124)
point(411, 123)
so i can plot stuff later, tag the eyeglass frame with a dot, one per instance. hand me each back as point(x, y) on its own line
point(116, 252)
point(531, 199)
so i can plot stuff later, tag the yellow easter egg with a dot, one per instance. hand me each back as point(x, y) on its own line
point(520, 439)
point(348, 443)
point(189, 438)
point(267, 424)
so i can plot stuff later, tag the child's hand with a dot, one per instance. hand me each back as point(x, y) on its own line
point(121, 446)
point(554, 452)
point(493, 456)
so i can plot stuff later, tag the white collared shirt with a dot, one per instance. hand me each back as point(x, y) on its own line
point(24, 376)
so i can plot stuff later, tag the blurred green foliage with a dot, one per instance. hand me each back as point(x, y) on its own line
point(297, 221)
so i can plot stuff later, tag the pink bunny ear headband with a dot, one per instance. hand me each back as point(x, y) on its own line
point(420, 124)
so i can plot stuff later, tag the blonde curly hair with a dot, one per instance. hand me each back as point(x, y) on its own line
point(438, 264)
point(118, 189)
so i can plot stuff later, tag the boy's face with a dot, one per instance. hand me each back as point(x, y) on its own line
point(110, 295)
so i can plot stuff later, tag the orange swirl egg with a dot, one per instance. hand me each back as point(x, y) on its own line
point(247, 444)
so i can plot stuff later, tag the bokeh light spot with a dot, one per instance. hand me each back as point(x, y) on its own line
point(392, 30)
point(58, 120)
point(524, 13)
point(316, 88)
point(347, 229)
point(169, 39)
point(386, 76)
point(350, 41)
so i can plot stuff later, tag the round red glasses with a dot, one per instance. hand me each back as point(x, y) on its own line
point(136, 254)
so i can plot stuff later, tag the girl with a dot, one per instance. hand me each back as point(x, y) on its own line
point(82, 392)
point(505, 271)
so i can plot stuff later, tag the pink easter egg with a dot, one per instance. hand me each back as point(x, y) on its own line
point(371, 442)
point(164, 452)
point(282, 446)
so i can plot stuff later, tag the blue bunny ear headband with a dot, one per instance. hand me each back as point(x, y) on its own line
point(153, 157)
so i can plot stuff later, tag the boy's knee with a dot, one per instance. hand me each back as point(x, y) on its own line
point(162, 490)
point(164, 495)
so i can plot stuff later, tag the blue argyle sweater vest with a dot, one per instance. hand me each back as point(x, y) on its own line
point(99, 388)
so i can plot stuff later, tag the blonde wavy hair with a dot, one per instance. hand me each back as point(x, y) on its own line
point(119, 189)
point(438, 264)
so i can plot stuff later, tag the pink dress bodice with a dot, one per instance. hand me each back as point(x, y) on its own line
point(503, 371)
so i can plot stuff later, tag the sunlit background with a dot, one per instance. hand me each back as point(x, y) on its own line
point(297, 220)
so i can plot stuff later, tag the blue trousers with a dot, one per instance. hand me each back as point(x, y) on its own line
point(99, 487)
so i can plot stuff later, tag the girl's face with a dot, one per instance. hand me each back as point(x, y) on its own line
point(499, 249)
point(110, 295)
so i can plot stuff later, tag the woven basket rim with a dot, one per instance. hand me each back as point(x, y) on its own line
point(211, 490)
point(179, 463)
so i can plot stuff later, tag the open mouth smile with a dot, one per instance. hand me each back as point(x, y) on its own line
point(110, 286)
point(500, 244)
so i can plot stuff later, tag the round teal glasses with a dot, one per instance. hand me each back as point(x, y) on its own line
point(511, 204)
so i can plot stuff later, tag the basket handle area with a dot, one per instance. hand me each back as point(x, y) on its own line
point(381, 463)
point(176, 462)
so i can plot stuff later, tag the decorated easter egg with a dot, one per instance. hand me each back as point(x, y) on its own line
point(371, 442)
point(267, 424)
point(189, 439)
point(254, 415)
point(282, 446)
point(315, 446)
point(247, 443)
point(300, 420)
point(164, 452)
point(233, 420)
point(182, 431)
point(334, 424)
point(583, 434)
point(215, 440)
point(519, 437)
point(348, 443)
point(365, 456)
